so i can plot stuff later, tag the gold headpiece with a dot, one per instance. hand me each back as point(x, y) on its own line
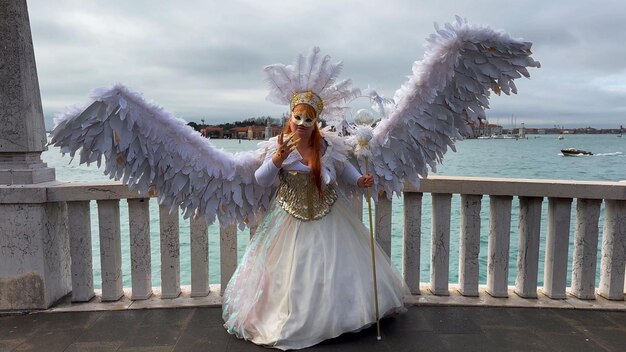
point(309, 98)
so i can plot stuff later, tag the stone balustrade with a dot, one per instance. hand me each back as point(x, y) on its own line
point(530, 192)
point(591, 199)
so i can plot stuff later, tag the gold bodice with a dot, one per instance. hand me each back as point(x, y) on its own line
point(298, 196)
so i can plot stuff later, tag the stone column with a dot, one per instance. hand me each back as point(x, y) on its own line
point(613, 251)
point(498, 246)
point(22, 130)
point(469, 244)
point(411, 243)
point(557, 247)
point(34, 248)
point(440, 244)
point(529, 236)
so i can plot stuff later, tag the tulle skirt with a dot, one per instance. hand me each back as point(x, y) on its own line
point(302, 282)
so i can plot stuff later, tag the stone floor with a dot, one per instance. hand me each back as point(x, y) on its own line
point(422, 328)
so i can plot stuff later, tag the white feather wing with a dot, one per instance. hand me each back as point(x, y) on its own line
point(449, 90)
point(149, 149)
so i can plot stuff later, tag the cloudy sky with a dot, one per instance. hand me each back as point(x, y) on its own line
point(203, 59)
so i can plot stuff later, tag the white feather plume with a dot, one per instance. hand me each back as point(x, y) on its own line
point(362, 135)
point(315, 73)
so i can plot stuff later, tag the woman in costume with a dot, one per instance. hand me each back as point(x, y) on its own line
point(305, 276)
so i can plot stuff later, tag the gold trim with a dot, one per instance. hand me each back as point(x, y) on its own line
point(307, 97)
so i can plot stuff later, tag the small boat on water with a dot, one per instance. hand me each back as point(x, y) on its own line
point(575, 152)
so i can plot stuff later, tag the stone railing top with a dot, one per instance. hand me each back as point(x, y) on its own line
point(68, 191)
point(522, 187)
point(26, 193)
point(65, 191)
point(91, 191)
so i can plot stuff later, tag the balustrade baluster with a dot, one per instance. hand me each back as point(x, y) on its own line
point(382, 223)
point(199, 257)
point(469, 244)
point(170, 253)
point(613, 251)
point(528, 246)
point(79, 229)
point(498, 245)
point(140, 254)
point(228, 254)
point(585, 248)
point(440, 245)
point(110, 249)
point(557, 247)
point(411, 240)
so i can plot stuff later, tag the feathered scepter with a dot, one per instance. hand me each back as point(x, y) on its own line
point(363, 133)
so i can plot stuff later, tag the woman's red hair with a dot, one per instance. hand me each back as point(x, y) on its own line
point(315, 161)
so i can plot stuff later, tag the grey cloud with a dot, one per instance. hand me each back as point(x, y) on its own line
point(204, 59)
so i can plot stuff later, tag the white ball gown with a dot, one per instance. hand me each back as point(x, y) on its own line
point(304, 281)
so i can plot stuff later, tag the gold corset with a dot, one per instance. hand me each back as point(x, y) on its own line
point(298, 196)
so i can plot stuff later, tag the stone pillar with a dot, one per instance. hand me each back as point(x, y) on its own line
point(557, 247)
point(469, 244)
point(613, 251)
point(528, 246)
point(498, 246)
point(22, 130)
point(382, 223)
point(34, 246)
point(440, 244)
point(34, 249)
point(170, 252)
point(199, 239)
point(585, 248)
point(411, 243)
point(228, 254)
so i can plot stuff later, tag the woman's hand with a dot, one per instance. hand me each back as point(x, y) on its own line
point(284, 148)
point(365, 181)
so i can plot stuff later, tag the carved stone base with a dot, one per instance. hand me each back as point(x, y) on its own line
point(23, 169)
point(34, 255)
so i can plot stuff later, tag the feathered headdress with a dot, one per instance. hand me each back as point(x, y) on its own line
point(313, 77)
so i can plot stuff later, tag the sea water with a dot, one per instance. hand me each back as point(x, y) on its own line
point(536, 157)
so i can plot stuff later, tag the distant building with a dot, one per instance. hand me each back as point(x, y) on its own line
point(252, 132)
point(486, 130)
point(534, 131)
point(212, 132)
point(240, 132)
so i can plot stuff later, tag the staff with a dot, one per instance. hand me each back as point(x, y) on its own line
point(364, 135)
